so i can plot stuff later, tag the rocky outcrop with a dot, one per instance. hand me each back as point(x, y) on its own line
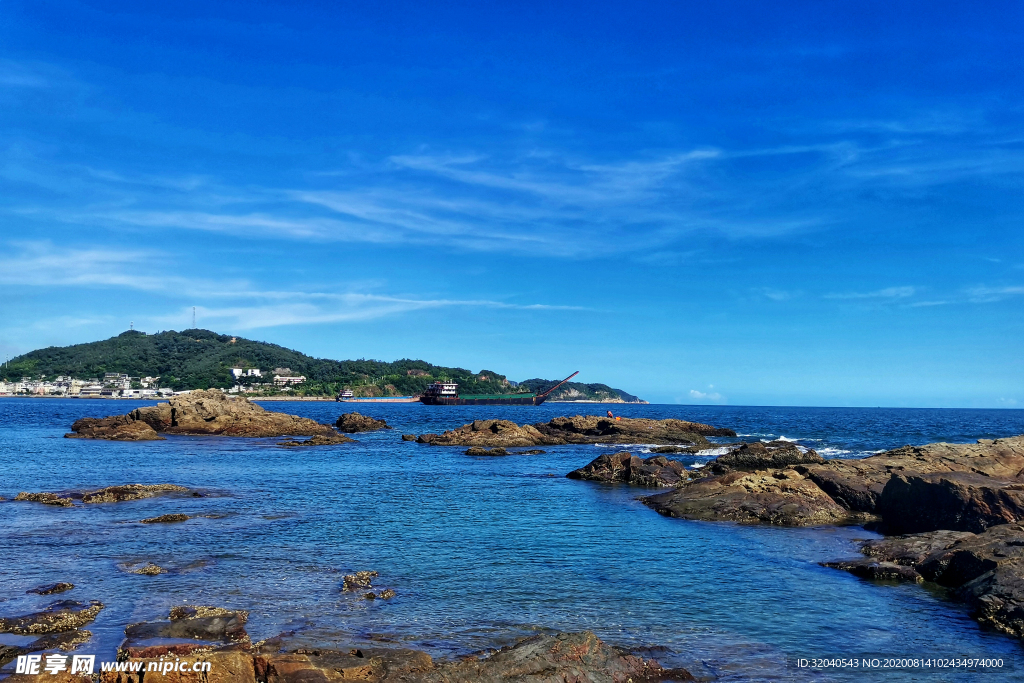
point(627, 468)
point(858, 484)
point(359, 580)
point(750, 457)
point(576, 430)
point(143, 568)
point(203, 413)
point(986, 570)
point(64, 641)
point(961, 501)
point(783, 497)
point(116, 428)
point(350, 423)
point(110, 494)
point(65, 615)
point(559, 658)
point(487, 433)
point(593, 429)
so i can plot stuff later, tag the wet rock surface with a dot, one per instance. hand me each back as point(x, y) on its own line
point(359, 580)
point(213, 626)
point(350, 423)
point(210, 412)
point(51, 588)
point(166, 519)
point(576, 430)
point(781, 497)
point(559, 658)
point(143, 568)
point(109, 494)
point(65, 641)
point(332, 440)
point(624, 467)
point(762, 456)
point(65, 615)
point(477, 450)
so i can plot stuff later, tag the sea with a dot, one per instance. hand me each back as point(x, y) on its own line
point(480, 551)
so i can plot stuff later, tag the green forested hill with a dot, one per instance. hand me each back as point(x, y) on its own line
point(577, 391)
point(201, 359)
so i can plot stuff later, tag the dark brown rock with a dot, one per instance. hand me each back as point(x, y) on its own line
point(52, 588)
point(782, 497)
point(477, 450)
point(332, 440)
point(116, 428)
point(762, 456)
point(624, 467)
point(350, 423)
point(359, 580)
point(876, 571)
point(408, 437)
point(166, 519)
point(575, 430)
point(65, 641)
point(47, 498)
point(143, 568)
point(65, 615)
point(117, 494)
point(961, 501)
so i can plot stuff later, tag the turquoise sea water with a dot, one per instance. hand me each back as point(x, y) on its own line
point(479, 550)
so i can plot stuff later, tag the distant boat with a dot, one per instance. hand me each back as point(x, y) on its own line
point(447, 394)
point(348, 397)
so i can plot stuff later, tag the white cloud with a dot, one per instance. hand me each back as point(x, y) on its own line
point(990, 294)
point(887, 293)
point(708, 396)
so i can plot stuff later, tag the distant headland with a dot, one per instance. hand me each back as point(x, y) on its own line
point(138, 365)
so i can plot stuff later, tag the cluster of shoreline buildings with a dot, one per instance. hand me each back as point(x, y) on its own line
point(119, 385)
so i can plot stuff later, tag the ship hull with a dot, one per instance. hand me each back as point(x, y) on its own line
point(511, 401)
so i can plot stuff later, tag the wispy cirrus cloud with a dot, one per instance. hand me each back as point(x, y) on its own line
point(41, 264)
point(887, 293)
point(986, 294)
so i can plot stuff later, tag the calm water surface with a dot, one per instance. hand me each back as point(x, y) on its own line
point(479, 550)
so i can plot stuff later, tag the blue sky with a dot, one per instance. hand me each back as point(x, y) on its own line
point(742, 202)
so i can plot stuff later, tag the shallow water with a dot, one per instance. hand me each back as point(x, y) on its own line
point(479, 550)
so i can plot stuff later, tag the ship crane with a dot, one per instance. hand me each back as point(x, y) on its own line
point(545, 394)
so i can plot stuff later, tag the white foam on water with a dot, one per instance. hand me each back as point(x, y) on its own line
point(714, 451)
point(832, 451)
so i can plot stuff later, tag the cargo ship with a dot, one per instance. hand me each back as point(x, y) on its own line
point(447, 394)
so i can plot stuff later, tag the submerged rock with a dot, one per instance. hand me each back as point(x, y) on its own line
point(332, 440)
point(209, 412)
point(166, 519)
point(52, 588)
point(477, 450)
point(408, 437)
point(65, 615)
point(47, 498)
point(65, 641)
point(144, 568)
point(351, 423)
point(986, 570)
point(359, 580)
point(110, 494)
point(627, 468)
point(211, 625)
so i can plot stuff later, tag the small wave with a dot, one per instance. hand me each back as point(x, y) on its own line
point(832, 451)
point(713, 451)
point(697, 465)
point(786, 438)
